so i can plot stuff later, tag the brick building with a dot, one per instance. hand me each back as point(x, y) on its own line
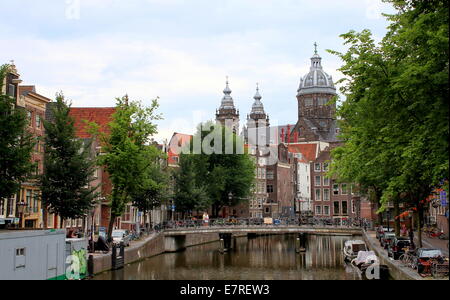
point(100, 215)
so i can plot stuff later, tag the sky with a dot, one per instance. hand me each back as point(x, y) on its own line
point(180, 51)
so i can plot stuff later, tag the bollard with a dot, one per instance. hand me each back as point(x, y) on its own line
point(91, 265)
point(113, 257)
point(221, 246)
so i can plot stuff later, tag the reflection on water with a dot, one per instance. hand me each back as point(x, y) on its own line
point(260, 258)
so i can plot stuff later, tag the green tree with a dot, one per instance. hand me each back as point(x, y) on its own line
point(228, 179)
point(68, 167)
point(188, 195)
point(154, 184)
point(126, 152)
point(16, 143)
point(395, 116)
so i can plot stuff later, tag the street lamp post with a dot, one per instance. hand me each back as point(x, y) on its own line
point(20, 207)
point(388, 219)
point(230, 198)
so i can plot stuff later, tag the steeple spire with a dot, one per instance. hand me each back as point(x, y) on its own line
point(315, 48)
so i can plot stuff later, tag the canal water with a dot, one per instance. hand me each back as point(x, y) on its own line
point(271, 257)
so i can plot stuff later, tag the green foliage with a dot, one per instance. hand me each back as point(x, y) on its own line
point(69, 166)
point(395, 118)
point(16, 143)
point(189, 195)
point(218, 175)
point(127, 156)
point(153, 184)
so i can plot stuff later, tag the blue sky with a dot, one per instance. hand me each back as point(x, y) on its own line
point(179, 50)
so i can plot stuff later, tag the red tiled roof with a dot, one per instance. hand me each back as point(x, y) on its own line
point(307, 150)
point(25, 89)
point(102, 116)
point(177, 141)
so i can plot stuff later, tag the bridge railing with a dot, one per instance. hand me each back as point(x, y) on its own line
point(245, 223)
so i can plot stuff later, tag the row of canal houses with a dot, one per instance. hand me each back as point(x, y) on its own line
point(24, 209)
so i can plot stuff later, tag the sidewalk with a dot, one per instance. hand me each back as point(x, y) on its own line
point(434, 243)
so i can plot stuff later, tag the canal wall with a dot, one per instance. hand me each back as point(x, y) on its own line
point(396, 269)
point(153, 245)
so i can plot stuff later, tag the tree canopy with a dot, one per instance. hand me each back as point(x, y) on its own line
point(16, 143)
point(394, 120)
point(224, 175)
point(69, 166)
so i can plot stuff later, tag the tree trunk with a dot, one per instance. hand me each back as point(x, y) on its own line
point(419, 224)
point(44, 218)
point(150, 219)
point(397, 215)
point(111, 225)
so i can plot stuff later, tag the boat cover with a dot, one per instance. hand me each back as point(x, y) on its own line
point(366, 257)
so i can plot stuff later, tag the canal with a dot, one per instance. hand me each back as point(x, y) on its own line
point(270, 257)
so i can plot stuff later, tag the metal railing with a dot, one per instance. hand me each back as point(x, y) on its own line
point(249, 222)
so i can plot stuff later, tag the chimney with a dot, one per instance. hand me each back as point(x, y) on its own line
point(288, 138)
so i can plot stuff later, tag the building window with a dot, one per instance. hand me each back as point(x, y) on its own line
point(344, 189)
point(270, 175)
point(10, 207)
point(344, 208)
point(335, 189)
point(267, 210)
point(29, 117)
point(263, 173)
point(322, 101)
point(20, 258)
point(308, 102)
point(326, 181)
point(1, 207)
point(326, 167)
point(270, 188)
point(353, 207)
point(38, 121)
point(317, 167)
point(28, 199)
point(35, 201)
point(336, 210)
point(318, 181)
point(318, 210)
point(318, 198)
point(326, 195)
point(326, 210)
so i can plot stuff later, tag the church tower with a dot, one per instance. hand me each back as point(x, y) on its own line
point(316, 112)
point(257, 122)
point(227, 115)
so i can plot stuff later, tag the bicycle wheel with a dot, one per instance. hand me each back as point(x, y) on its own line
point(403, 259)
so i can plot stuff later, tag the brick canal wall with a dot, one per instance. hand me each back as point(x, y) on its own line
point(396, 269)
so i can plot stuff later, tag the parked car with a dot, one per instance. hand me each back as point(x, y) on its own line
point(424, 257)
point(386, 239)
point(398, 246)
point(120, 236)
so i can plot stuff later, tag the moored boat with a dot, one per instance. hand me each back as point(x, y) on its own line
point(352, 248)
point(366, 260)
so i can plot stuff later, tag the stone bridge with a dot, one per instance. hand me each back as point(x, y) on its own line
point(175, 239)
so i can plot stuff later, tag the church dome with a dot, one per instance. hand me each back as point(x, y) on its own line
point(257, 107)
point(316, 81)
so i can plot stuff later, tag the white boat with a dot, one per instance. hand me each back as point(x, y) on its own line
point(366, 259)
point(352, 248)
